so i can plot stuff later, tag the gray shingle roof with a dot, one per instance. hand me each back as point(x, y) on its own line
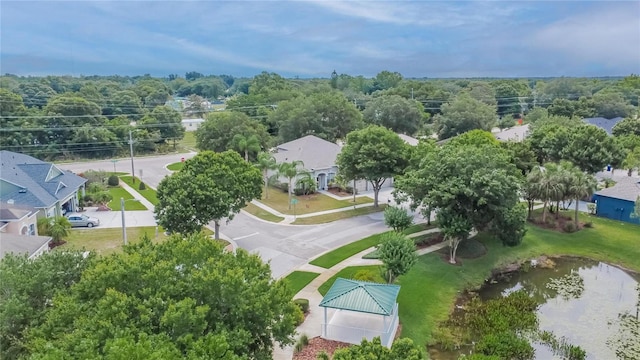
point(21, 244)
point(625, 189)
point(314, 152)
point(408, 139)
point(516, 133)
point(23, 179)
point(606, 124)
point(10, 213)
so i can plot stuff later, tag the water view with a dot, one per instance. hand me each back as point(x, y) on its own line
point(583, 303)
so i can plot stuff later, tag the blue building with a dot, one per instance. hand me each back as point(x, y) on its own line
point(618, 201)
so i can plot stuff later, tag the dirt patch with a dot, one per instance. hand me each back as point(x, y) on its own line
point(316, 345)
point(437, 238)
point(563, 223)
point(338, 192)
point(53, 244)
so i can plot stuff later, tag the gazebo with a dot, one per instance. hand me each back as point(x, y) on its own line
point(360, 310)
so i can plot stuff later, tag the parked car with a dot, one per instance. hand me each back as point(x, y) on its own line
point(79, 220)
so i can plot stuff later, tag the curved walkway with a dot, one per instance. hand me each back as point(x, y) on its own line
point(312, 324)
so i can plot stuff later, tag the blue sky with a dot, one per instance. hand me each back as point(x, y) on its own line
point(312, 38)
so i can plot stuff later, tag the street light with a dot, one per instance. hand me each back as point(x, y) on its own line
point(124, 228)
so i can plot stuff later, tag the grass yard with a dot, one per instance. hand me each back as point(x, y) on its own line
point(261, 213)
point(299, 279)
point(349, 273)
point(176, 166)
point(279, 201)
point(419, 227)
point(117, 193)
point(322, 219)
point(338, 255)
point(188, 142)
point(430, 289)
point(108, 241)
point(148, 193)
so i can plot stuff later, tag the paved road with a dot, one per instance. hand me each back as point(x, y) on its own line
point(285, 246)
point(152, 166)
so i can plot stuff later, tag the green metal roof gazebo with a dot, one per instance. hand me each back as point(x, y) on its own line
point(361, 297)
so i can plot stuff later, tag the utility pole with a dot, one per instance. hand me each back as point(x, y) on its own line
point(133, 172)
point(411, 93)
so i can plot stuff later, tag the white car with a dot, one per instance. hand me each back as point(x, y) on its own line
point(79, 220)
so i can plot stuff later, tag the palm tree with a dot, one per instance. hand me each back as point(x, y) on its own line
point(306, 182)
point(582, 185)
point(544, 185)
point(58, 228)
point(266, 162)
point(246, 144)
point(291, 171)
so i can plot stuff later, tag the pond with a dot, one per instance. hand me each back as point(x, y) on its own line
point(581, 301)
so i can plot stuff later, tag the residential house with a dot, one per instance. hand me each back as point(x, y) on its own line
point(33, 246)
point(18, 221)
point(603, 123)
point(319, 157)
point(618, 201)
point(191, 124)
point(28, 182)
point(516, 133)
point(19, 232)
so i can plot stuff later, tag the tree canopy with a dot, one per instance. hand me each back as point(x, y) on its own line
point(394, 112)
point(463, 114)
point(471, 183)
point(185, 298)
point(219, 128)
point(374, 154)
point(210, 187)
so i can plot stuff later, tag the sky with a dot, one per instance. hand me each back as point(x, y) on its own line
point(315, 37)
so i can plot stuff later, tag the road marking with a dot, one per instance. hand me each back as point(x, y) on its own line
point(246, 236)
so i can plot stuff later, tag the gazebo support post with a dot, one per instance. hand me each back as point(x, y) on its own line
point(325, 323)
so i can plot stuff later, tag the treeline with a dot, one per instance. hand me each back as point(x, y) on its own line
point(91, 116)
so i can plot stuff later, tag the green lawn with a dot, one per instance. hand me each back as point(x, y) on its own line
point(299, 279)
point(176, 166)
point(429, 290)
point(188, 142)
point(322, 219)
point(348, 273)
point(279, 201)
point(338, 255)
point(419, 227)
point(117, 193)
point(148, 193)
point(107, 241)
point(261, 213)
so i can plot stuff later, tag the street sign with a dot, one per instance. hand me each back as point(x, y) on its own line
point(294, 201)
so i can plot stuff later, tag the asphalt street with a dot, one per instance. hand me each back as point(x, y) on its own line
point(284, 246)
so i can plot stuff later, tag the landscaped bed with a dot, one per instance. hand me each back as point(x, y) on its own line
point(306, 204)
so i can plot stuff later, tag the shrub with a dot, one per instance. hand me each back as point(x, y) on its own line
point(322, 355)
point(551, 222)
point(364, 275)
point(298, 347)
point(142, 186)
point(299, 316)
point(113, 181)
point(592, 208)
point(304, 339)
point(506, 345)
point(303, 304)
point(588, 224)
point(95, 187)
point(397, 218)
point(569, 227)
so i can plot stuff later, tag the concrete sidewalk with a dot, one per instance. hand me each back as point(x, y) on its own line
point(288, 219)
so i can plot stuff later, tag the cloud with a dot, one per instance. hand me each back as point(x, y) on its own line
point(607, 34)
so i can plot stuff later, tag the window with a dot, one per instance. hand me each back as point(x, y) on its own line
point(32, 229)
